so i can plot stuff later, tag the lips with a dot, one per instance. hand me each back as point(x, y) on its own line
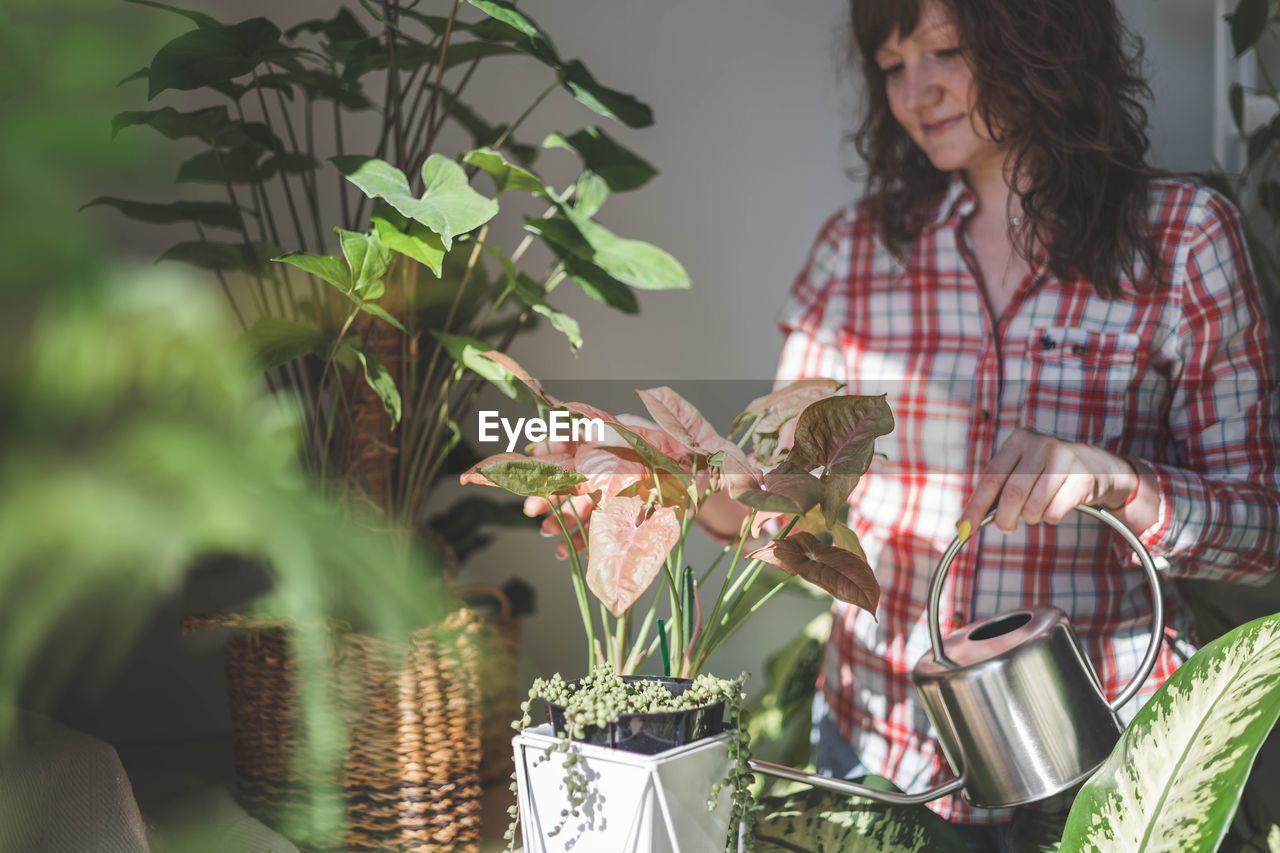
point(941, 126)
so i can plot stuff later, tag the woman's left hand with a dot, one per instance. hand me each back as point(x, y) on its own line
point(1036, 477)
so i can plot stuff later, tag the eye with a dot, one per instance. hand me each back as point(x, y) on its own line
point(948, 53)
point(892, 70)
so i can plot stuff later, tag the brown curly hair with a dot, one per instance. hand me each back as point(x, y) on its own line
point(1059, 82)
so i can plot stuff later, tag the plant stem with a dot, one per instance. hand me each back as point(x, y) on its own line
point(394, 94)
point(524, 115)
point(439, 84)
point(579, 584)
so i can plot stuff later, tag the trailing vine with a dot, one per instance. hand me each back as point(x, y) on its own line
point(602, 697)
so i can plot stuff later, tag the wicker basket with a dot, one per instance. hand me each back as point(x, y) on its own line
point(499, 681)
point(410, 777)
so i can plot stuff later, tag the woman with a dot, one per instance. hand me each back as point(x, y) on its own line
point(1054, 325)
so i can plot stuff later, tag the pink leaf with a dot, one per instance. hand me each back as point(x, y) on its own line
point(609, 470)
point(682, 420)
point(509, 364)
point(627, 550)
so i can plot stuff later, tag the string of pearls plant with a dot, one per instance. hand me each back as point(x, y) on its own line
point(600, 698)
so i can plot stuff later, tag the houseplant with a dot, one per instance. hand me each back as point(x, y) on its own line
point(629, 495)
point(366, 329)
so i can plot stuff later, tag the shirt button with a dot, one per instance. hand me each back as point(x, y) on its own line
point(1079, 350)
point(957, 618)
point(984, 416)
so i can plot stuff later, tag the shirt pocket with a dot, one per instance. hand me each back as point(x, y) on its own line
point(1078, 383)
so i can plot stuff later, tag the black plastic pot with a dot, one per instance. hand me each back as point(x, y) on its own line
point(649, 733)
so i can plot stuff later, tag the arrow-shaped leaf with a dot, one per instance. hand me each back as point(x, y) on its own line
point(212, 54)
point(838, 434)
point(839, 572)
point(448, 206)
point(627, 547)
point(532, 478)
point(682, 420)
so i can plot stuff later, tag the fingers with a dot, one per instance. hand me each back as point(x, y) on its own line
point(1038, 478)
point(574, 510)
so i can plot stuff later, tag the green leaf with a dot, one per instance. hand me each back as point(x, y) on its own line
point(420, 243)
point(632, 262)
point(824, 820)
point(532, 478)
point(466, 352)
point(377, 311)
point(323, 267)
point(367, 259)
point(222, 257)
point(1174, 780)
point(215, 214)
point(1247, 22)
point(603, 100)
point(212, 55)
point(381, 382)
point(318, 84)
point(276, 340)
point(506, 176)
point(482, 133)
point(448, 206)
point(621, 169)
point(590, 194)
point(531, 294)
point(508, 14)
point(600, 286)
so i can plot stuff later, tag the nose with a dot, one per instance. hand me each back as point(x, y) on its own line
point(918, 86)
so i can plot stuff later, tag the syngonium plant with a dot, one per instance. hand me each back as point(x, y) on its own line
point(644, 483)
point(372, 326)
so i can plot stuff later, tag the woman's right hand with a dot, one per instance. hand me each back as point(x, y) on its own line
point(576, 511)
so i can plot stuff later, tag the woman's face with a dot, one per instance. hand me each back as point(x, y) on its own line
point(932, 93)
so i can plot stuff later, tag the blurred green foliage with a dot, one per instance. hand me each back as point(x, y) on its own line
point(133, 439)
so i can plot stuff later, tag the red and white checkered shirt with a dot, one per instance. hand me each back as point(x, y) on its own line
point(1179, 376)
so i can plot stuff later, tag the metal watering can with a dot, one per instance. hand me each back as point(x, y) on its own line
point(1017, 706)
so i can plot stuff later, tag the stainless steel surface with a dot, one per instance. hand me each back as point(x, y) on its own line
point(1015, 702)
point(844, 786)
point(1153, 579)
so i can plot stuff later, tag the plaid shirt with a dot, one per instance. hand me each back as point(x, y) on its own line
point(1179, 376)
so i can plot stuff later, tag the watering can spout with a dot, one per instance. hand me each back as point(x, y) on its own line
point(843, 786)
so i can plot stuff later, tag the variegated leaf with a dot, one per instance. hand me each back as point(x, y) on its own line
point(1174, 780)
point(627, 547)
point(819, 820)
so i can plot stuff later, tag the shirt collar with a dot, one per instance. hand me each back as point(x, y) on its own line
point(957, 202)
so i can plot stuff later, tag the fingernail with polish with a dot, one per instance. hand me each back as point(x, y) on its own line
point(963, 529)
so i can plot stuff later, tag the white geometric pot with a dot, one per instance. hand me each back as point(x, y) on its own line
point(635, 803)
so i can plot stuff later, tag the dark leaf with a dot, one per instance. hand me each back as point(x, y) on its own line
point(198, 18)
point(603, 100)
point(276, 340)
point(508, 14)
point(601, 286)
point(211, 55)
point(215, 214)
point(1236, 99)
point(238, 165)
point(224, 257)
point(621, 169)
point(1247, 22)
point(844, 575)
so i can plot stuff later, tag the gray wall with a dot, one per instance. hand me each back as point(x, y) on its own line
point(751, 107)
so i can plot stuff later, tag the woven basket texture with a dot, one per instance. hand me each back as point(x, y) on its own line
point(410, 778)
point(499, 681)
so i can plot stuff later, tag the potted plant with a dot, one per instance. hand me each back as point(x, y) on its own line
point(627, 497)
point(367, 329)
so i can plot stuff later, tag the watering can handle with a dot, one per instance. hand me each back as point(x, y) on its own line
point(1148, 565)
point(844, 786)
